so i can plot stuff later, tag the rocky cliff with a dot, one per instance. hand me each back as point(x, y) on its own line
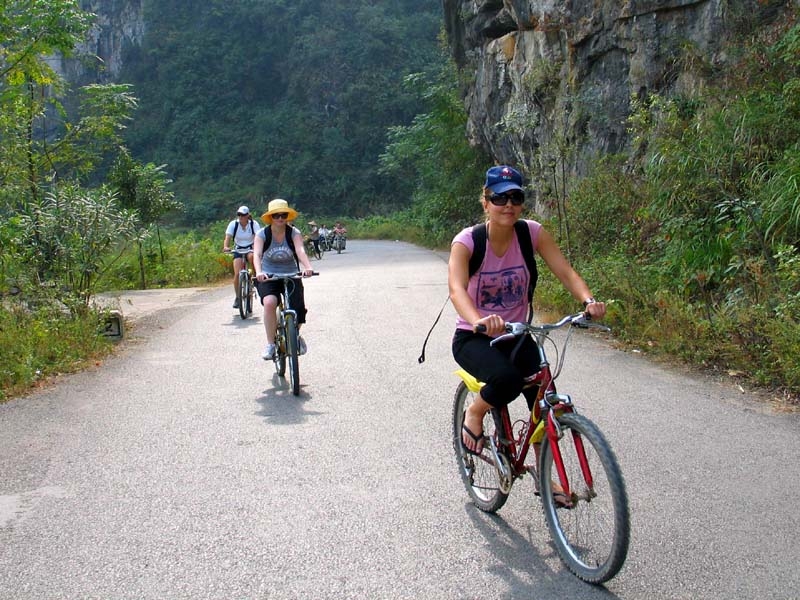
point(118, 25)
point(550, 82)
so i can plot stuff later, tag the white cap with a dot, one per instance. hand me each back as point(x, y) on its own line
point(243, 210)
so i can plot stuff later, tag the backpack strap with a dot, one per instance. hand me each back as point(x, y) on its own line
point(526, 247)
point(479, 239)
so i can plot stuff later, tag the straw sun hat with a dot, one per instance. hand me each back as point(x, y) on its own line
point(278, 206)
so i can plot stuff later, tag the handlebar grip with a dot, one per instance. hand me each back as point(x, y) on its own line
point(480, 328)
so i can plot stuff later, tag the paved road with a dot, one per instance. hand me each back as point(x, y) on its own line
point(182, 468)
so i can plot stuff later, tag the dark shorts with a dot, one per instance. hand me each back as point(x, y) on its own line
point(241, 253)
point(297, 298)
point(493, 365)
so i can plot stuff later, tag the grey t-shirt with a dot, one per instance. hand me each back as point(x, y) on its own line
point(278, 259)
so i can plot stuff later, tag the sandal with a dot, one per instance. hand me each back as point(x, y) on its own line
point(478, 439)
point(561, 500)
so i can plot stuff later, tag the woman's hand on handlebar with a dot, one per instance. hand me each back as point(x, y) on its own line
point(260, 276)
point(307, 272)
point(595, 310)
point(491, 325)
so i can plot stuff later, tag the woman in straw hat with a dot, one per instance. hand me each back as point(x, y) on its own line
point(279, 251)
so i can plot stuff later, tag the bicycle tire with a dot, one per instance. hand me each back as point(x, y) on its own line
point(291, 351)
point(280, 346)
point(592, 536)
point(478, 473)
point(241, 292)
point(250, 294)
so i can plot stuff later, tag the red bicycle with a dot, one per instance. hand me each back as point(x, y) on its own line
point(576, 474)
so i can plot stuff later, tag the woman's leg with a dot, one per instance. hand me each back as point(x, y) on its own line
point(297, 299)
point(473, 422)
point(237, 266)
point(270, 320)
point(492, 366)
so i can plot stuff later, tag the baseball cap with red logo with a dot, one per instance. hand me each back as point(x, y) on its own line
point(503, 178)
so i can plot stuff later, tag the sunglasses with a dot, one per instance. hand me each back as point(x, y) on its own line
point(241, 215)
point(280, 215)
point(516, 197)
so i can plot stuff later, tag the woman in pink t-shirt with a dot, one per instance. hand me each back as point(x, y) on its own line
point(498, 293)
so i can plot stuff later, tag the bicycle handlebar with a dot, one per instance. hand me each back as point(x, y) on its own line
point(581, 320)
point(298, 275)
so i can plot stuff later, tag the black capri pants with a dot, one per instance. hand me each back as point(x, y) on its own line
point(297, 297)
point(492, 365)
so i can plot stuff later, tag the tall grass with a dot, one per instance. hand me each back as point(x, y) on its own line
point(39, 343)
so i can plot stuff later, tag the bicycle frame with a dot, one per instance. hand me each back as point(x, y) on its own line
point(549, 402)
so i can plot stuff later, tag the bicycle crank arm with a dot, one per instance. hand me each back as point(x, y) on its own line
point(503, 467)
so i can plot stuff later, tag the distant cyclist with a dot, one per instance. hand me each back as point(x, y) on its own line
point(340, 231)
point(314, 235)
point(241, 232)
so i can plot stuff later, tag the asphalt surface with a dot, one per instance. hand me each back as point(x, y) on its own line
point(183, 467)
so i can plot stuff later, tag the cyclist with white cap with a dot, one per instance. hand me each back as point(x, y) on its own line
point(241, 232)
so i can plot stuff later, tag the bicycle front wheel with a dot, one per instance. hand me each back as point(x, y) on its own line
point(242, 292)
point(291, 351)
point(280, 345)
point(479, 473)
point(591, 535)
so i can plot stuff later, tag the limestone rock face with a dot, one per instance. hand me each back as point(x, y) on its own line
point(551, 75)
point(119, 24)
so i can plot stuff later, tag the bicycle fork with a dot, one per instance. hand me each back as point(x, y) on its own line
point(555, 434)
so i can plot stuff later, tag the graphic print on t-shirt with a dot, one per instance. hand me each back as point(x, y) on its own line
point(501, 289)
point(278, 259)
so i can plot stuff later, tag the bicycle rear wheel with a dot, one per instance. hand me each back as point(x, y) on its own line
point(241, 292)
point(479, 473)
point(592, 536)
point(291, 351)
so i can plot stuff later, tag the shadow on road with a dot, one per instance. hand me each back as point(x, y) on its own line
point(523, 557)
point(280, 407)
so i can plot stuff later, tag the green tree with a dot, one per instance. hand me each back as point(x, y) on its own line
point(433, 152)
point(30, 32)
point(143, 189)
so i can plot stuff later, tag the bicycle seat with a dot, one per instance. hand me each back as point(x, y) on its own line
point(473, 385)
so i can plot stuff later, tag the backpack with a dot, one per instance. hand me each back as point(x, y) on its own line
point(289, 236)
point(479, 240)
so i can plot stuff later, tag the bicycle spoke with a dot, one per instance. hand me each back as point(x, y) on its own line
point(479, 473)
